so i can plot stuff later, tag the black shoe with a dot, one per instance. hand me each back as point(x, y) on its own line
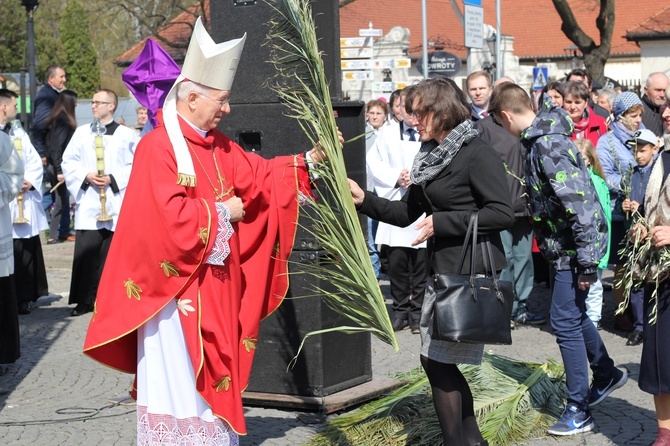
point(414, 328)
point(635, 338)
point(81, 309)
point(600, 325)
point(25, 308)
point(399, 324)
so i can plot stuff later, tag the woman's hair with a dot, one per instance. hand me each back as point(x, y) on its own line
point(377, 103)
point(609, 93)
point(576, 89)
point(586, 147)
point(441, 97)
point(65, 105)
point(395, 96)
point(554, 85)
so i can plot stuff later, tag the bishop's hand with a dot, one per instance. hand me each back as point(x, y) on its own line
point(236, 208)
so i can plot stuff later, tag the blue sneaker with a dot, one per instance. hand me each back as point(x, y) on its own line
point(601, 389)
point(572, 422)
point(528, 318)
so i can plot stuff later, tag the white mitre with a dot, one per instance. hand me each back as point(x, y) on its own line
point(207, 63)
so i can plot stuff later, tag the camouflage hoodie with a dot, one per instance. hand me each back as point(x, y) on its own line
point(569, 222)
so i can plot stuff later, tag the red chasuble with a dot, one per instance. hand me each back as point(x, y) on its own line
point(164, 235)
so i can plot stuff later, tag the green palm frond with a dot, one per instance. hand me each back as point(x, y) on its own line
point(302, 86)
point(514, 401)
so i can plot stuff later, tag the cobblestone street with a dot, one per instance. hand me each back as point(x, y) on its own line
point(54, 395)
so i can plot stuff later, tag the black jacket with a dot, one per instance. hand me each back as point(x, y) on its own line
point(598, 110)
point(651, 117)
point(42, 106)
point(475, 180)
point(513, 154)
point(57, 139)
point(569, 222)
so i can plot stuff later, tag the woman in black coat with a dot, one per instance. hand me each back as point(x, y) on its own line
point(454, 174)
point(61, 125)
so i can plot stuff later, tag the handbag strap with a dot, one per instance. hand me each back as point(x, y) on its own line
point(495, 278)
point(466, 241)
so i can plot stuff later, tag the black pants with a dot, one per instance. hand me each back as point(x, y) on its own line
point(30, 275)
point(10, 348)
point(408, 272)
point(90, 253)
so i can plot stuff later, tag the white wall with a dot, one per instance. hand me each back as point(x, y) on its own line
point(655, 57)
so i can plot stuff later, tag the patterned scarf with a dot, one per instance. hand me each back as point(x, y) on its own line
point(433, 158)
point(582, 125)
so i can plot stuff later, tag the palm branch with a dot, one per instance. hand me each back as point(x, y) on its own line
point(301, 84)
point(513, 400)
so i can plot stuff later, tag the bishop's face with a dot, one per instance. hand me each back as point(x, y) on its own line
point(209, 108)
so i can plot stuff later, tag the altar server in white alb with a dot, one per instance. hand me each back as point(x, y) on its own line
point(28, 217)
point(96, 165)
point(11, 179)
point(389, 162)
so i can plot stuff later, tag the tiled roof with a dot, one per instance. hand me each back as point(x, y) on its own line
point(655, 26)
point(177, 31)
point(534, 24)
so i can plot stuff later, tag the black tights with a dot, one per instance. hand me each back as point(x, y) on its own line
point(453, 404)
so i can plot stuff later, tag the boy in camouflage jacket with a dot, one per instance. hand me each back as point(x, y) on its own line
point(571, 231)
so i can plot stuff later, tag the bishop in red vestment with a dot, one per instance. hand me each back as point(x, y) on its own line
point(202, 243)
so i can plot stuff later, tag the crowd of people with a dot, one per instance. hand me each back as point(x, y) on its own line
point(578, 165)
point(60, 166)
point(573, 173)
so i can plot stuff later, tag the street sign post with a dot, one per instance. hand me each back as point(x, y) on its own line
point(369, 32)
point(358, 76)
point(540, 76)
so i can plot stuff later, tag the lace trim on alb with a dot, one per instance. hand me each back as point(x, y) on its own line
point(225, 231)
point(164, 430)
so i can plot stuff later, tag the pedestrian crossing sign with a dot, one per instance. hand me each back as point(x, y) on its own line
point(540, 76)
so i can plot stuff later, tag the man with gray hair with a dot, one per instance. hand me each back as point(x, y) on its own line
point(199, 257)
point(652, 100)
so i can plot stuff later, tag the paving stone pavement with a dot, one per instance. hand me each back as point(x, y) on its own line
point(54, 395)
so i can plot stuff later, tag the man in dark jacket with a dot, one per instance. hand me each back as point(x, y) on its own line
point(571, 232)
point(518, 240)
point(652, 100)
point(479, 87)
point(42, 106)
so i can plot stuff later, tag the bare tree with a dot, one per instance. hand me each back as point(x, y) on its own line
point(148, 17)
point(595, 56)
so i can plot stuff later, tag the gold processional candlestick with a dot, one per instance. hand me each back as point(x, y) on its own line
point(99, 130)
point(16, 133)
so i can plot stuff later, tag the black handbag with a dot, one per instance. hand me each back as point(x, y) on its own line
point(473, 308)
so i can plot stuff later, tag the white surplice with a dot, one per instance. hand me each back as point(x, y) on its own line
point(33, 210)
point(179, 416)
point(385, 160)
point(79, 160)
point(11, 181)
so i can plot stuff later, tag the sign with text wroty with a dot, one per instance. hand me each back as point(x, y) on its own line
point(440, 63)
